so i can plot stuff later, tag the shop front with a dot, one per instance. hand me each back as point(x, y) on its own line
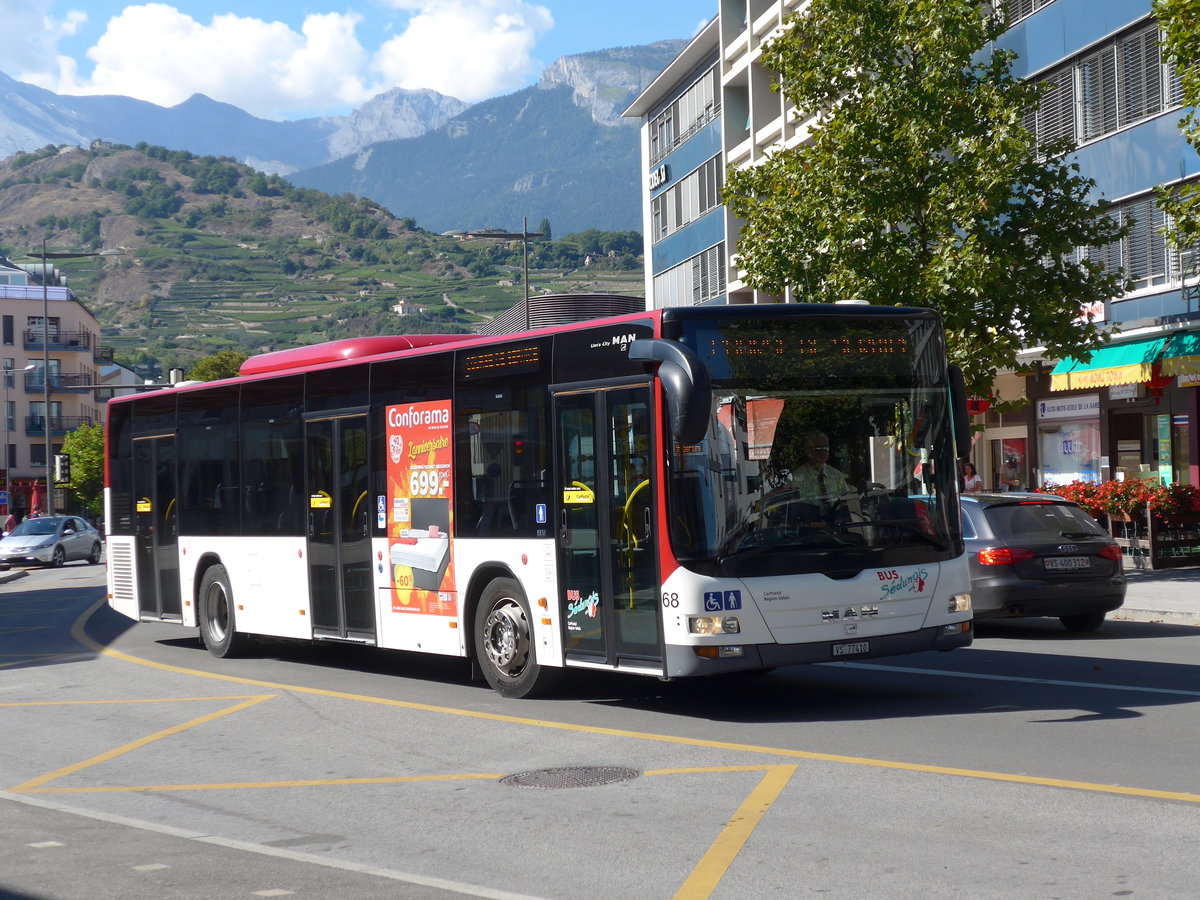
point(1126, 415)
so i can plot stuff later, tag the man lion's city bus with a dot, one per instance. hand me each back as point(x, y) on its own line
point(620, 494)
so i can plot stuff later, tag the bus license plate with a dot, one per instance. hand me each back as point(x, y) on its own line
point(853, 649)
point(1068, 562)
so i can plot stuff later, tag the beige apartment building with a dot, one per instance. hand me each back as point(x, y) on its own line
point(46, 331)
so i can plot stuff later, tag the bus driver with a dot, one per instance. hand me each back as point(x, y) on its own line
point(816, 478)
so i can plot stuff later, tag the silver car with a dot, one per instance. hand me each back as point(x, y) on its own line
point(51, 541)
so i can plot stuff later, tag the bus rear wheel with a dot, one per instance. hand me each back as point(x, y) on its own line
point(504, 642)
point(218, 627)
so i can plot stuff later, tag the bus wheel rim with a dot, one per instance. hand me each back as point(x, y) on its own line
point(216, 612)
point(506, 637)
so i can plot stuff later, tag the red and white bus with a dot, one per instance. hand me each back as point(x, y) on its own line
point(622, 494)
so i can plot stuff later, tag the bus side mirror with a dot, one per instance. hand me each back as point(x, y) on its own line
point(685, 382)
point(958, 410)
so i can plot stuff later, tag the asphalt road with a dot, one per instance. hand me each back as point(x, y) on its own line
point(1035, 764)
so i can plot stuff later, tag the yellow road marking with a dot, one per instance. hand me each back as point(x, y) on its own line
point(716, 861)
point(29, 786)
point(138, 700)
point(682, 741)
point(239, 785)
point(724, 850)
point(78, 633)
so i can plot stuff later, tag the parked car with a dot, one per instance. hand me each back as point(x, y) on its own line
point(51, 541)
point(1040, 555)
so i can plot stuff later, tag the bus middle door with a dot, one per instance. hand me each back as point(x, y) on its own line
point(608, 585)
point(156, 527)
point(339, 522)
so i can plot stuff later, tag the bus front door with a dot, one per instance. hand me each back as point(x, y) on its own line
point(155, 521)
point(609, 587)
point(339, 521)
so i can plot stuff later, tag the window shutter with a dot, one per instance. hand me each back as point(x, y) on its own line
point(1139, 90)
point(1056, 110)
point(1098, 94)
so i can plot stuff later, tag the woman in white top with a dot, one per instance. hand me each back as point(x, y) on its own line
point(971, 482)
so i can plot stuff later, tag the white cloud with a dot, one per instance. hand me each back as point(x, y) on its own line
point(33, 34)
point(156, 53)
point(469, 49)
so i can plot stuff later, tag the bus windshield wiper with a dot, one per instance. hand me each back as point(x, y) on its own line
point(832, 542)
point(908, 525)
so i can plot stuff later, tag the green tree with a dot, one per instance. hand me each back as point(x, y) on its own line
point(544, 230)
point(1180, 21)
point(224, 364)
point(919, 185)
point(85, 446)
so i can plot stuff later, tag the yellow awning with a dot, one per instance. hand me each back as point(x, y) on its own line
point(1130, 363)
point(1182, 356)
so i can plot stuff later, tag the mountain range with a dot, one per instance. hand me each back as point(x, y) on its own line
point(557, 150)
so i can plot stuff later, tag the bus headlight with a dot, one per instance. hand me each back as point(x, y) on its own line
point(714, 625)
point(959, 603)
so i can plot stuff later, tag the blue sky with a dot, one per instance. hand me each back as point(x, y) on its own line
point(285, 59)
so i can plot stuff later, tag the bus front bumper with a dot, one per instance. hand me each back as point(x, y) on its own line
point(683, 662)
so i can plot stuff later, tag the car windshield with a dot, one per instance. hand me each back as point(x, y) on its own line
point(35, 528)
point(1042, 521)
point(817, 459)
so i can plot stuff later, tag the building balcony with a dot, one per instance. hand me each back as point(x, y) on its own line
point(59, 425)
point(60, 383)
point(61, 341)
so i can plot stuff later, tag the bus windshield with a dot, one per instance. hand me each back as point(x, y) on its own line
point(829, 448)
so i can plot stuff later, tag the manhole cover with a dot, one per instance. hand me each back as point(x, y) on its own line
point(570, 777)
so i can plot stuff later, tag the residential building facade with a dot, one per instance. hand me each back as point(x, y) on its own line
point(40, 323)
point(1131, 410)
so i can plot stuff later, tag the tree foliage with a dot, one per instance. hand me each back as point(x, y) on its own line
point(919, 185)
point(224, 364)
point(1180, 21)
point(85, 446)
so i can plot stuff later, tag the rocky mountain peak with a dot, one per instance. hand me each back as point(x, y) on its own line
point(606, 81)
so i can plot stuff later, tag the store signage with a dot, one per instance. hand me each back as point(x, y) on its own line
point(1125, 392)
point(1188, 380)
point(659, 177)
point(1084, 406)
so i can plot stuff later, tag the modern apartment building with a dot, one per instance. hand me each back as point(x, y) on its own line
point(1131, 410)
point(40, 321)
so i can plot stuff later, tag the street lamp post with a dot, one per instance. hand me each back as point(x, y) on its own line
point(8, 374)
point(523, 236)
point(45, 257)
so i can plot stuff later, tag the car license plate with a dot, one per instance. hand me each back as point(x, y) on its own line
point(852, 649)
point(1068, 562)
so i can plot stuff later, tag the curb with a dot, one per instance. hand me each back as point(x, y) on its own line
point(1155, 617)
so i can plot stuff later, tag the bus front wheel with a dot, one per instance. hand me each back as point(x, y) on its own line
point(504, 642)
point(218, 628)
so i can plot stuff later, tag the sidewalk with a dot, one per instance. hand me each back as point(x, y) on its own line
point(1170, 596)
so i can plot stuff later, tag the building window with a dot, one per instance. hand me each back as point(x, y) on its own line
point(1114, 85)
point(9, 334)
point(695, 194)
point(687, 114)
point(1019, 9)
point(1144, 254)
point(694, 281)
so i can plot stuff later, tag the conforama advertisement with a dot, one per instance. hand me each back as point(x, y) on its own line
point(420, 491)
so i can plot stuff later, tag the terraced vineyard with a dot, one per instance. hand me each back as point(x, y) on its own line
point(262, 265)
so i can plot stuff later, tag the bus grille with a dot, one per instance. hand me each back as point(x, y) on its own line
point(121, 574)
